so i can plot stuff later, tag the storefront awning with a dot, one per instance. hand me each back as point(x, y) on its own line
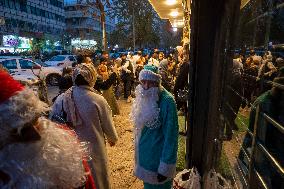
point(244, 2)
point(171, 10)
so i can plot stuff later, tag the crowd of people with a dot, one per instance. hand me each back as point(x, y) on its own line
point(64, 145)
point(117, 78)
point(249, 77)
point(66, 142)
point(256, 85)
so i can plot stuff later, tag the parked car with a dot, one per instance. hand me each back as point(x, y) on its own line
point(29, 69)
point(28, 80)
point(62, 60)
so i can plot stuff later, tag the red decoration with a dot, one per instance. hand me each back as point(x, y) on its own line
point(8, 86)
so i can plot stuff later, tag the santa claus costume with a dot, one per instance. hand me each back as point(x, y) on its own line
point(155, 118)
point(35, 152)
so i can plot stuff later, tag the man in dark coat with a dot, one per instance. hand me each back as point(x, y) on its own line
point(127, 77)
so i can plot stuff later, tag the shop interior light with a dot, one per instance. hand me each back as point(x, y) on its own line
point(178, 23)
point(174, 13)
point(175, 29)
point(171, 2)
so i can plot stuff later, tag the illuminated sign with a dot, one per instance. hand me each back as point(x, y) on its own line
point(83, 43)
point(10, 41)
point(16, 42)
point(25, 43)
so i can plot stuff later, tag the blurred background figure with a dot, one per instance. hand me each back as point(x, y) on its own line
point(108, 94)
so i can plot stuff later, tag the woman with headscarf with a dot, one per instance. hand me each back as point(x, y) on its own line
point(164, 72)
point(90, 116)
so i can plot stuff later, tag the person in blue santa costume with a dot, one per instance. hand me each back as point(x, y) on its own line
point(34, 151)
point(154, 114)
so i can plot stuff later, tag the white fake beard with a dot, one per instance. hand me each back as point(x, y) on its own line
point(20, 109)
point(55, 161)
point(145, 109)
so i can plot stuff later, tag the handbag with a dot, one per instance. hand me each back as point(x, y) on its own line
point(62, 117)
point(183, 95)
point(187, 179)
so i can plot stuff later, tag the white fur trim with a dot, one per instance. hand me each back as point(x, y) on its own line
point(20, 109)
point(149, 75)
point(55, 161)
point(167, 170)
point(148, 176)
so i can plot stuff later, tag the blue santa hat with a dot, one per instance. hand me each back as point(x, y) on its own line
point(150, 72)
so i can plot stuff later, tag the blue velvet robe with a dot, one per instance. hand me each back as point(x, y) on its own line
point(156, 149)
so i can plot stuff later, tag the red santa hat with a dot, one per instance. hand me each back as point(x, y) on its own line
point(9, 86)
point(18, 104)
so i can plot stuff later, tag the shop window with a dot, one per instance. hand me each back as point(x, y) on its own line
point(258, 60)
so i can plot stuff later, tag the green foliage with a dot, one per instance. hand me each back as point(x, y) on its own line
point(146, 21)
point(224, 166)
point(242, 122)
point(118, 36)
point(37, 44)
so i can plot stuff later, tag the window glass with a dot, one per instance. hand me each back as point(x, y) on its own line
point(37, 11)
point(11, 4)
point(29, 9)
point(57, 58)
point(71, 58)
point(9, 64)
point(6, 3)
point(17, 6)
point(26, 64)
point(253, 75)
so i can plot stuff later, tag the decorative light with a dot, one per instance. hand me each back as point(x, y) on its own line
point(175, 29)
point(174, 13)
point(171, 2)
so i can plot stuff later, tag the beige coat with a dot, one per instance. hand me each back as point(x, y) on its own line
point(97, 124)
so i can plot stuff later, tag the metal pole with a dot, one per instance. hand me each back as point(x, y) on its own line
point(133, 25)
point(253, 145)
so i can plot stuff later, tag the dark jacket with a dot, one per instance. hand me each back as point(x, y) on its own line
point(104, 85)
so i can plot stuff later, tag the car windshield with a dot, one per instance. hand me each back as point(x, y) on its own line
point(57, 58)
point(43, 64)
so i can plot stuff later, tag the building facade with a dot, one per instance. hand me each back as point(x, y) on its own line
point(32, 19)
point(83, 23)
